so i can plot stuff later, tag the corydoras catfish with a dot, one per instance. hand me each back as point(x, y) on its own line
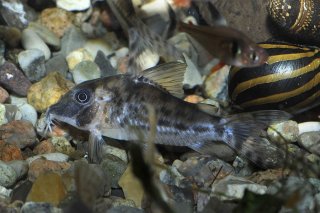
point(228, 44)
point(117, 107)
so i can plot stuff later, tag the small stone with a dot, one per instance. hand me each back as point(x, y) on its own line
point(32, 207)
point(61, 144)
point(20, 133)
point(30, 40)
point(10, 35)
point(14, 13)
point(55, 156)
point(56, 130)
point(54, 191)
point(3, 117)
point(312, 158)
point(56, 20)
point(114, 167)
point(2, 52)
point(268, 176)
point(9, 152)
point(48, 91)
point(311, 126)
point(71, 5)
point(7, 175)
point(131, 187)
point(57, 63)
point(42, 166)
point(32, 64)
point(45, 34)
point(310, 141)
point(12, 112)
point(112, 150)
point(44, 147)
point(216, 83)
point(28, 112)
point(77, 56)
point(99, 44)
point(21, 167)
point(5, 193)
point(232, 187)
point(4, 95)
point(125, 209)
point(284, 132)
point(193, 99)
point(84, 71)
point(12, 79)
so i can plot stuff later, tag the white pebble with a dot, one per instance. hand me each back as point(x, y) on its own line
point(56, 156)
point(309, 127)
point(73, 5)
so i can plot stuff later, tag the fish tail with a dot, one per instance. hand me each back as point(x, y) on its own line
point(241, 132)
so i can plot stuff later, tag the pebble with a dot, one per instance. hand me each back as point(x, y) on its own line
point(233, 187)
point(32, 207)
point(114, 167)
point(4, 95)
point(32, 63)
point(44, 147)
point(5, 193)
point(8, 175)
point(125, 209)
point(13, 112)
point(14, 13)
point(99, 44)
point(72, 40)
point(310, 141)
point(12, 79)
point(194, 99)
point(55, 156)
point(48, 91)
point(77, 56)
point(131, 186)
point(56, 20)
point(18, 132)
point(84, 71)
point(112, 150)
point(29, 113)
point(42, 166)
point(61, 144)
point(31, 40)
point(192, 76)
point(54, 191)
point(45, 34)
point(3, 117)
point(10, 35)
point(57, 63)
point(71, 5)
point(284, 132)
point(21, 167)
point(9, 152)
point(2, 52)
point(268, 176)
point(309, 127)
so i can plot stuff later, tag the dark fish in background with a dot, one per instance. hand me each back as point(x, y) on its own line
point(115, 106)
point(228, 44)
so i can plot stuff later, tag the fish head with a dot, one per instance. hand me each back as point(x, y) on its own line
point(245, 54)
point(79, 107)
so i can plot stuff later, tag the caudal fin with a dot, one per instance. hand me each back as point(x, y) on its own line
point(241, 132)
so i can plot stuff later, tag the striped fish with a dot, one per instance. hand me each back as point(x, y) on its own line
point(289, 80)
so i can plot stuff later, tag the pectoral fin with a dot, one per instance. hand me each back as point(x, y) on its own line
point(95, 147)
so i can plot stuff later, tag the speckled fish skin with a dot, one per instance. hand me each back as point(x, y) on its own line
point(116, 107)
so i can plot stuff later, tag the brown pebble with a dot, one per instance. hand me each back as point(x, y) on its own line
point(9, 152)
point(194, 99)
point(18, 132)
point(4, 95)
point(42, 166)
point(44, 147)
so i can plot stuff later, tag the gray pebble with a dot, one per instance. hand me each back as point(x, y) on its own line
point(73, 39)
point(21, 167)
point(5, 193)
point(8, 175)
point(111, 150)
point(31, 40)
point(84, 71)
point(32, 63)
point(284, 132)
point(12, 79)
point(45, 34)
point(2, 51)
point(57, 63)
point(32, 207)
point(310, 141)
point(13, 112)
point(125, 209)
point(29, 113)
point(114, 167)
point(14, 13)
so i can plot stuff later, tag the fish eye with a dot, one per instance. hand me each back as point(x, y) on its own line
point(82, 96)
point(235, 49)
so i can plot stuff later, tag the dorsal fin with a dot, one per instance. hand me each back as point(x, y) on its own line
point(169, 76)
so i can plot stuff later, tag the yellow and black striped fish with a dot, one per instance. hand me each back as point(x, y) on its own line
point(289, 80)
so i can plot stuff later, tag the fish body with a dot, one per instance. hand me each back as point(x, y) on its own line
point(117, 107)
point(228, 44)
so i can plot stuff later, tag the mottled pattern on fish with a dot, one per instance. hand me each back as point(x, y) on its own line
point(116, 107)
